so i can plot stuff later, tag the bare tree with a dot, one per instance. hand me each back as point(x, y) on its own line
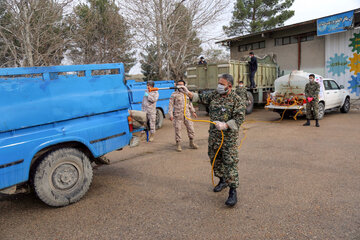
point(172, 27)
point(216, 55)
point(33, 32)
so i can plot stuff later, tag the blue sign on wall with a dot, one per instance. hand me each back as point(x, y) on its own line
point(334, 24)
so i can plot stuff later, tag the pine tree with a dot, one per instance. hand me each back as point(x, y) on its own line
point(250, 16)
point(101, 34)
point(148, 66)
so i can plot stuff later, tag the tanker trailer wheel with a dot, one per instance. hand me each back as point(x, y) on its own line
point(321, 110)
point(62, 177)
point(286, 114)
point(250, 103)
point(159, 119)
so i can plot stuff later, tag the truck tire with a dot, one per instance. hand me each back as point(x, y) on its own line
point(321, 110)
point(62, 177)
point(286, 114)
point(346, 106)
point(159, 119)
point(250, 106)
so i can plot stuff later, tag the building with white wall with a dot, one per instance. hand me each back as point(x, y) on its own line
point(328, 46)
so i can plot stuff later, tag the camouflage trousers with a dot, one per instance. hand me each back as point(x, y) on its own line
point(226, 161)
point(312, 110)
point(151, 121)
point(178, 121)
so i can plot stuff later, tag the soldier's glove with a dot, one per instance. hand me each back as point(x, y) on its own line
point(221, 125)
point(183, 89)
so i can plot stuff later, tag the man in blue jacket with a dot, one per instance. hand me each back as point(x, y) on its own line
point(252, 68)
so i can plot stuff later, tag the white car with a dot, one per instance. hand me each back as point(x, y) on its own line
point(289, 94)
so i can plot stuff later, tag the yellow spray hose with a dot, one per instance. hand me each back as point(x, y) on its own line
point(222, 139)
point(222, 134)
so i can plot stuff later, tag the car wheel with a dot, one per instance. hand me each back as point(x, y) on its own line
point(62, 177)
point(321, 110)
point(159, 118)
point(346, 107)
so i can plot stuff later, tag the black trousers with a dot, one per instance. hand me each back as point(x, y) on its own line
point(252, 82)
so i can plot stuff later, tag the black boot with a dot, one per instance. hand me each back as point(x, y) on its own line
point(317, 123)
point(232, 200)
point(307, 123)
point(221, 185)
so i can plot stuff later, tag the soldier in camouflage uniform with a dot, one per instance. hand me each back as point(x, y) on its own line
point(149, 106)
point(312, 90)
point(242, 92)
point(227, 110)
point(176, 112)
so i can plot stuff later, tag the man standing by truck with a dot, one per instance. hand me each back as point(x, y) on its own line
point(149, 106)
point(227, 110)
point(242, 92)
point(202, 61)
point(176, 112)
point(312, 89)
point(252, 68)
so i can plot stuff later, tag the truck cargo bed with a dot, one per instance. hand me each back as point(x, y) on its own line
point(42, 95)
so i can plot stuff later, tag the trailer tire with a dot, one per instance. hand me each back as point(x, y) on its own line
point(250, 105)
point(159, 119)
point(62, 177)
point(286, 114)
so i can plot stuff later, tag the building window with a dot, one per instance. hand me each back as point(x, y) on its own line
point(251, 46)
point(278, 41)
point(285, 40)
point(306, 38)
point(292, 40)
point(262, 44)
point(242, 48)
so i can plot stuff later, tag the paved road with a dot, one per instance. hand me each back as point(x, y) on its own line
point(296, 183)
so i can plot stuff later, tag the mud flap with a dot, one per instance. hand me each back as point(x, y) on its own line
point(10, 190)
point(102, 161)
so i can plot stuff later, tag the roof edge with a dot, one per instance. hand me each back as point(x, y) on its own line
point(356, 10)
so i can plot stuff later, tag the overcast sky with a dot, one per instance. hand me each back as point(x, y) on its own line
point(304, 10)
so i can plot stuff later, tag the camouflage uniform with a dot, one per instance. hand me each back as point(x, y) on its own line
point(176, 110)
point(312, 89)
point(230, 108)
point(149, 106)
point(241, 91)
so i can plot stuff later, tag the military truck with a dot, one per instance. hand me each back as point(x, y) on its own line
point(205, 78)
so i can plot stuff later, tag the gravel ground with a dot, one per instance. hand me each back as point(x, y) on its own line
point(295, 183)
